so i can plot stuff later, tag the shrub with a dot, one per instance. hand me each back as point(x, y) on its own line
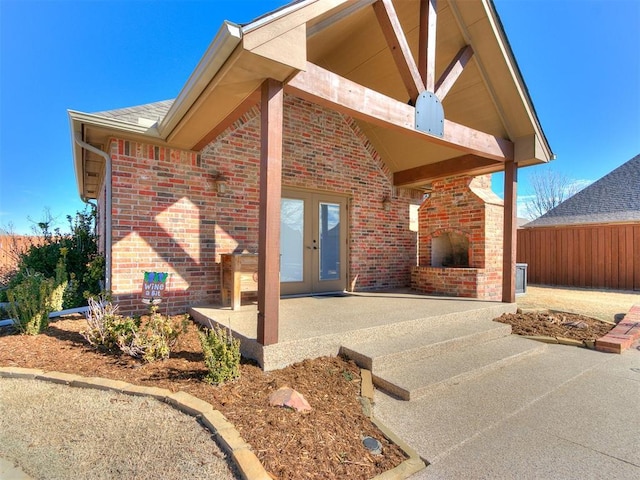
point(152, 339)
point(221, 355)
point(31, 302)
point(78, 251)
point(106, 327)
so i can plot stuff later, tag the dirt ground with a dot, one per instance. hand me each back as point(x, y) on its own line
point(324, 443)
point(577, 314)
point(608, 305)
point(556, 325)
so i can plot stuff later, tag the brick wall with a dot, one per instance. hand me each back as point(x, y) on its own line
point(467, 206)
point(168, 215)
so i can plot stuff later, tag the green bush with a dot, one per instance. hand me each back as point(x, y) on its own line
point(83, 266)
point(154, 337)
point(151, 339)
point(221, 355)
point(31, 302)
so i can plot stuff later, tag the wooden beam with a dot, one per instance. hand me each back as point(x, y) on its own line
point(397, 42)
point(240, 110)
point(466, 164)
point(510, 232)
point(427, 43)
point(272, 105)
point(453, 71)
point(338, 93)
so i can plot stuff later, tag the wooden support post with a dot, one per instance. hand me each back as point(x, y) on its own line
point(427, 43)
point(510, 232)
point(272, 104)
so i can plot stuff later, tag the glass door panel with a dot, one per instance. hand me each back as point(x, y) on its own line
point(329, 229)
point(313, 242)
point(291, 240)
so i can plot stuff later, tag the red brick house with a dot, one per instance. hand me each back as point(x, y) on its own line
point(306, 137)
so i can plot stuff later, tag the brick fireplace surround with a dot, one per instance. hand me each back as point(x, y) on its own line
point(460, 240)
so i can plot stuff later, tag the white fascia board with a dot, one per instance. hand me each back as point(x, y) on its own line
point(113, 124)
point(270, 17)
point(75, 127)
point(224, 43)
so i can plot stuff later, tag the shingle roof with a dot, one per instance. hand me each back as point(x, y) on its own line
point(612, 199)
point(151, 111)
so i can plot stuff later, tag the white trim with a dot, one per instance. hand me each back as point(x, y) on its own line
point(112, 123)
point(270, 17)
point(226, 40)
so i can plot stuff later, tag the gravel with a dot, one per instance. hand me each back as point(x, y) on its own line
point(95, 434)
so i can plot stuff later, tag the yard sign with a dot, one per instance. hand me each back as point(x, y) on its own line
point(153, 285)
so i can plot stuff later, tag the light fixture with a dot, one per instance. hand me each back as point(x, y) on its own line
point(386, 204)
point(220, 182)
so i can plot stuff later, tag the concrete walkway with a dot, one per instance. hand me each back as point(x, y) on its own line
point(566, 413)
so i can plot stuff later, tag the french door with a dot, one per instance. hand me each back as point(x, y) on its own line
point(313, 241)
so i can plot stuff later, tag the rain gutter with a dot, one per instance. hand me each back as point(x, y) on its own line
point(108, 201)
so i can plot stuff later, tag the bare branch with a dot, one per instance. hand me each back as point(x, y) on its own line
point(550, 189)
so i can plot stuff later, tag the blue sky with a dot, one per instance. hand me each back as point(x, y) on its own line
point(579, 59)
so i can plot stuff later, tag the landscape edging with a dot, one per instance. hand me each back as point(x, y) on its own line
point(228, 437)
point(412, 464)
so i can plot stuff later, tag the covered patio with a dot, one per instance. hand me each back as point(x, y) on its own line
point(357, 103)
point(315, 326)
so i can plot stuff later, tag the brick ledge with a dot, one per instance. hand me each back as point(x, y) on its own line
point(623, 335)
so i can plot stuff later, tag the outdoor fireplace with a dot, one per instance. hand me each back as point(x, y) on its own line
point(450, 249)
point(460, 240)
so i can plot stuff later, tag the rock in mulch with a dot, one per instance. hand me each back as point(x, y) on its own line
point(288, 397)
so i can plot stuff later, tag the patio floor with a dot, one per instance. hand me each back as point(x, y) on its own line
point(316, 326)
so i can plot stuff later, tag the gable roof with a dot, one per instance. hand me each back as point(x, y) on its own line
point(615, 198)
point(148, 114)
point(305, 41)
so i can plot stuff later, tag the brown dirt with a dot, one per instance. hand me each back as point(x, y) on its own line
point(608, 305)
point(556, 324)
point(324, 443)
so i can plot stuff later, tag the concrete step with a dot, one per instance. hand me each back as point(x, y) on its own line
point(412, 380)
point(423, 341)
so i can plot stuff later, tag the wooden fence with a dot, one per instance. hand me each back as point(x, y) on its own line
point(595, 256)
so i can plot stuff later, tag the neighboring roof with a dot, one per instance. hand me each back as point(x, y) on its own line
point(488, 105)
point(615, 198)
point(142, 114)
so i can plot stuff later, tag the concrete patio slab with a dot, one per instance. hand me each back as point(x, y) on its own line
point(311, 327)
point(567, 413)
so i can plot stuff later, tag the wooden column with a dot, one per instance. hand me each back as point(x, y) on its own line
point(272, 102)
point(427, 44)
point(510, 232)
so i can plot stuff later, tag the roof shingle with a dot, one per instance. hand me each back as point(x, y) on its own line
point(151, 111)
point(614, 198)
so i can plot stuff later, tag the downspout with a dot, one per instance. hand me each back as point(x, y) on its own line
point(108, 201)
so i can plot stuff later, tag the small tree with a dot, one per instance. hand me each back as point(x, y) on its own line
point(550, 189)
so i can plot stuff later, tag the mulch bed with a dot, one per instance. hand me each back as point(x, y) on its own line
point(324, 443)
point(556, 324)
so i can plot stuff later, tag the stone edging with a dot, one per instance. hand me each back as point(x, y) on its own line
point(412, 464)
point(590, 344)
point(230, 440)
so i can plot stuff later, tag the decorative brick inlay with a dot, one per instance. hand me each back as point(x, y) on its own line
point(623, 335)
point(466, 207)
point(168, 216)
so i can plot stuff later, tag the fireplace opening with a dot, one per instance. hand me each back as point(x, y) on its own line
point(450, 250)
